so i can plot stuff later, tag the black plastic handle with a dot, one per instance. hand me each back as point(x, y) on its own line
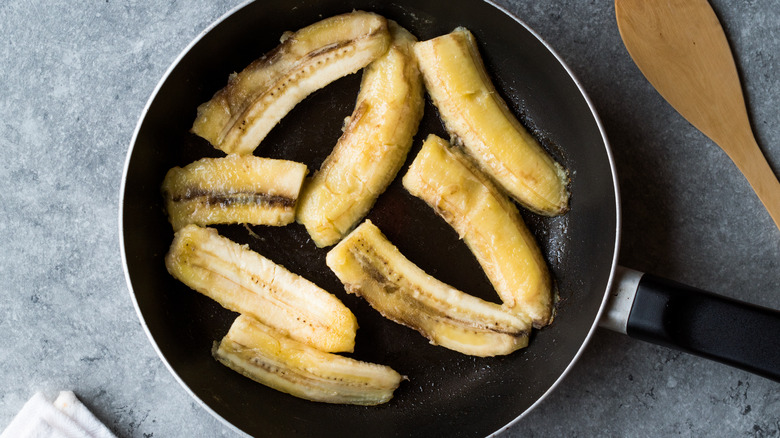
point(688, 319)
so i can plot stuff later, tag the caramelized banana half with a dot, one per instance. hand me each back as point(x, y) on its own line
point(476, 116)
point(377, 137)
point(234, 189)
point(487, 220)
point(372, 267)
point(266, 356)
point(243, 281)
point(240, 115)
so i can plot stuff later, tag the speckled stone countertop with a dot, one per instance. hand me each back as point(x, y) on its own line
point(75, 78)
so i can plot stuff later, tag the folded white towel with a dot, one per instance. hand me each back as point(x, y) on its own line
point(67, 417)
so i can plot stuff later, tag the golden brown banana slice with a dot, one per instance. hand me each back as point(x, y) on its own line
point(488, 222)
point(476, 116)
point(234, 189)
point(372, 267)
point(243, 281)
point(266, 356)
point(240, 115)
point(377, 137)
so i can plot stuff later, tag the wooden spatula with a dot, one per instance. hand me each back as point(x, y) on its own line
point(680, 47)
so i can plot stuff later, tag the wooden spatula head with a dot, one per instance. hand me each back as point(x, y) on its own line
point(680, 47)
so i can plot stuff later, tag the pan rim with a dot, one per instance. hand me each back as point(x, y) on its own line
point(163, 79)
point(618, 218)
point(172, 66)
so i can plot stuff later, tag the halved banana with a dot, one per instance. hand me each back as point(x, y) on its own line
point(240, 115)
point(476, 116)
point(370, 266)
point(266, 356)
point(488, 222)
point(377, 137)
point(234, 189)
point(243, 281)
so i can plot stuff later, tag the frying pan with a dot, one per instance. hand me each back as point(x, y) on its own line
point(447, 393)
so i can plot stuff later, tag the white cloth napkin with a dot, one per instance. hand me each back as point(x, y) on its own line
point(66, 417)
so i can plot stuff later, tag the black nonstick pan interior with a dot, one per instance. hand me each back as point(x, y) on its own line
point(448, 394)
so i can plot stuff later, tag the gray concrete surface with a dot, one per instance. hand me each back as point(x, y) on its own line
point(75, 77)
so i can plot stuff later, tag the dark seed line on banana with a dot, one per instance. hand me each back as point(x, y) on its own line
point(226, 199)
point(334, 49)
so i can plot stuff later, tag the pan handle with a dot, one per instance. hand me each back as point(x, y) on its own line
point(674, 315)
